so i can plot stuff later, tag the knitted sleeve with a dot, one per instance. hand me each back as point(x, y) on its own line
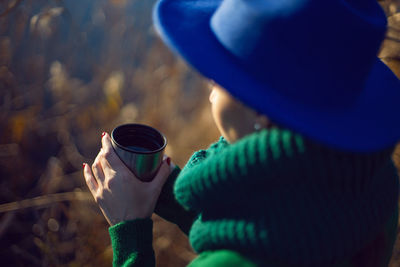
point(132, 240)
point(169, 209)
point(132, 243)
point(221, 258)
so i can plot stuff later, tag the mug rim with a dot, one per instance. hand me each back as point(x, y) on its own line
point(136, 151)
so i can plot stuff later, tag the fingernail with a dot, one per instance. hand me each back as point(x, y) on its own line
point(83, 165)
point(169, 161)
point(103, 134)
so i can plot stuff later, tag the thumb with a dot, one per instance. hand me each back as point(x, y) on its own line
point(162, 175)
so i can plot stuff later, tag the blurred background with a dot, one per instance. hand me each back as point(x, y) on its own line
point(70, 70)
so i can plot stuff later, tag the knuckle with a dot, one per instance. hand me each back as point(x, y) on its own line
point(107, 153)
point(88, 180)
point(95, 164)
point(96, 160)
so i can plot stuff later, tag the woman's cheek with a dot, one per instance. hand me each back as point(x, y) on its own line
point(224, 118)
point(212, 96)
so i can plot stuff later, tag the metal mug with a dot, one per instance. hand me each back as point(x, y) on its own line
point(140, 147)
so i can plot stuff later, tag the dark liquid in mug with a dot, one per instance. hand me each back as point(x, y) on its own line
point(140, 144)
point(138, 148)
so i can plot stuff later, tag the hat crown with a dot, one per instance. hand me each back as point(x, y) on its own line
point(326, 48)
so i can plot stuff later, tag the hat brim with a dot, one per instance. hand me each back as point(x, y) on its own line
point(371, 124)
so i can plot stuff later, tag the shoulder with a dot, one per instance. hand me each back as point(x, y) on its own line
point(221, 258)
point(229, 258)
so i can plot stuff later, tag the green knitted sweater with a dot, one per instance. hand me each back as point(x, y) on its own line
point(275, 198)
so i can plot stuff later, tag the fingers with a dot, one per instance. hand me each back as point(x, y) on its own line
point(170, 163)
point(109, 160)
point(108, 150)
point(110, 163)
point(106, 142)
point(163, 173)
point(98, 169)
point(90, 180)
point(108, 170)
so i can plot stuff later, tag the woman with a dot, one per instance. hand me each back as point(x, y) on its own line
point(302, 175)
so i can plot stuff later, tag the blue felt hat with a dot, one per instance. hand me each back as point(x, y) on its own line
point(309, 65)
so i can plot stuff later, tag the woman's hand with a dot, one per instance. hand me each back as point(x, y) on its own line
point(120, 195)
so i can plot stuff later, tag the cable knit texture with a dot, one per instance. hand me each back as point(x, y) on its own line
point(275, 195)
point(274, 199)
point(132, 243)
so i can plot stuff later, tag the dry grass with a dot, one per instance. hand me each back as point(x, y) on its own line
point(66, 76)
point(68, 71)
